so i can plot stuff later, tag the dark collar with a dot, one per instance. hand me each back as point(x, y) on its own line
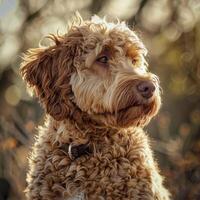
point(76, 151)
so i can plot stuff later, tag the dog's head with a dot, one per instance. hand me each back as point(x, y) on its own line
point(97, 67)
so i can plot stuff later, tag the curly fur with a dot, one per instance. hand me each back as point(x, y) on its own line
point(97, 103)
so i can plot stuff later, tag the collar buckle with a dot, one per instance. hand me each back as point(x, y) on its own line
point(75, 151)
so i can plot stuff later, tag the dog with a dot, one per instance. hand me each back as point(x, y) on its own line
point(98, 95)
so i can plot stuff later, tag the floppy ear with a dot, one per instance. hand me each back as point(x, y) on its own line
point(47, 71)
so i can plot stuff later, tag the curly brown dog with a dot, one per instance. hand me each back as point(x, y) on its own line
point(97, 93)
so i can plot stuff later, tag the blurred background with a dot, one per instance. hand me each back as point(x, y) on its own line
point(171, 31)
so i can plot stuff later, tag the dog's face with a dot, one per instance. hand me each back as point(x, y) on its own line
point(98, 67)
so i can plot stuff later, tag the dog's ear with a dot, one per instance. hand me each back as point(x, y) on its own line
point(47, 72)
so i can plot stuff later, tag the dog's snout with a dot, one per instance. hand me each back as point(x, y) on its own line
point(146, 89)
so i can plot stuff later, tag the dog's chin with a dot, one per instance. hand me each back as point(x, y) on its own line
point(132, 115)
point(136, 115)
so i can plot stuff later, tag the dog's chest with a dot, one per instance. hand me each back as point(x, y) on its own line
point(107, 172)
point(79, 196)
point(111, 168)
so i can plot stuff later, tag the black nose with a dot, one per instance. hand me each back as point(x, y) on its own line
point(146, 89)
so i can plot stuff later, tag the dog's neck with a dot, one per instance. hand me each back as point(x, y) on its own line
point(79, 128)
point(84, 122)
point(82, 133)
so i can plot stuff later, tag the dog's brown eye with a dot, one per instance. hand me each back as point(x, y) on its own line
point(134, 61)
point(103, 59)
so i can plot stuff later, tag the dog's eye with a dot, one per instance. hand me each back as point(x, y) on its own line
point(134, 61)
point(103, 59)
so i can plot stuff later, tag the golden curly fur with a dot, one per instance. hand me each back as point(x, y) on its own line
point(87, 83)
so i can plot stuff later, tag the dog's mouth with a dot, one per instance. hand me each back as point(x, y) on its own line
point(128, 107)
point(131, 115)
point(139, 108)
point(137, 114)
point(145, 107)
